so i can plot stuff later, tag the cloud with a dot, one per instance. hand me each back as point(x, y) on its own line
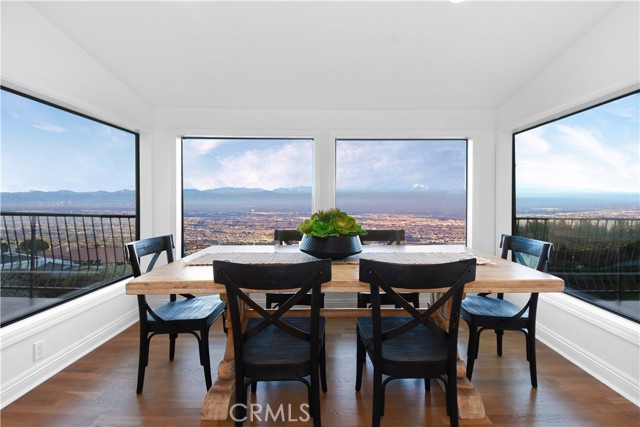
point(278, 166)
point(420, 187)
point(49, 127)
point(204, 146)
point(533, 142)
point(574, 159)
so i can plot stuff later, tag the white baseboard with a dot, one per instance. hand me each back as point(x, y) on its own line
point(601, 369)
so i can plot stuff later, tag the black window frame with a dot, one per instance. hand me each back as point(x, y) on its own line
point(136, 135)
point(205, 137)
point(514, 227)
point(466, 165)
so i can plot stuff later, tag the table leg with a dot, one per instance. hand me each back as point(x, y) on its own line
point(220, 396)
point(470, 405)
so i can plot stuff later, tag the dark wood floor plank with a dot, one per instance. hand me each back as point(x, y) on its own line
point(99, 390)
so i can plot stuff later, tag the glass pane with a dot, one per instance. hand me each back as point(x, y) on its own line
point(238, 190)
point(577, 186)
point(68, 204)
point(416, 185)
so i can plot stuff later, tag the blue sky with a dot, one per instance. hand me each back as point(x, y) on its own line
point(44, 148)
point(595, 151)
point(250, 163)
point(361, 164)
point(403, 165)
point(47, 149)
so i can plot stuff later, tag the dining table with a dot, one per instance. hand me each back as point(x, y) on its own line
point(193, 274)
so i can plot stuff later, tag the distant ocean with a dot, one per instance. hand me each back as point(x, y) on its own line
point(238, 200)
point(564, 204)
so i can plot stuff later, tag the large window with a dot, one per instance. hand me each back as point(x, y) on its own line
point(69, 204)
point(416, 185)
point(577, 185)
point(238, 190)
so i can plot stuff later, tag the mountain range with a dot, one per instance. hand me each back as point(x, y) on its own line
point(232, 199)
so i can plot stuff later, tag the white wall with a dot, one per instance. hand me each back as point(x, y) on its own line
point(601, 65)
point(39, 60)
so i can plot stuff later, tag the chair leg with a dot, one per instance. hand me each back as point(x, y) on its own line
point(472, 349)
point(254, 386)
point(427, 384)
point(452, 395)
point(240, 407)
point(360, 361)
point(360, 301)
point(204, 356)
point(143, 360)
point(323, 366)
point(499, 334)
point(377, 398)
point(172, 345)
point(383, 393)
point(531, 357)
point(315, 397)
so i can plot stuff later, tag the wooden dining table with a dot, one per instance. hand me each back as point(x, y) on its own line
point(194, 274)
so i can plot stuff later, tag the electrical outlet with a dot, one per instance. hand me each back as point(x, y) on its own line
point(38, 350)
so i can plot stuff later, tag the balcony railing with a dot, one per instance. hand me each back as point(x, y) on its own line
point(598, 258)
point(50, 255)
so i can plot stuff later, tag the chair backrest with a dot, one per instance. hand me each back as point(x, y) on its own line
point(286, 236)
point(447, 279)
point(530, 252)
point(241, 279)
point(154, 247)
point(387, 236)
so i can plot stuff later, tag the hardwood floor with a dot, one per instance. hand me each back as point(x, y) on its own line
point(99, 390)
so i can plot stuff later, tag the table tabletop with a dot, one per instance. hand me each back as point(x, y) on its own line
point(194, 273)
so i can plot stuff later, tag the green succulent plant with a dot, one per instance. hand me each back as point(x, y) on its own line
point(332, 222)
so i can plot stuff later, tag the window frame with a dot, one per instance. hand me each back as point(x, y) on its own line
point(467, 166)
point(514, 227)
point(136, 136)
point(214, 135)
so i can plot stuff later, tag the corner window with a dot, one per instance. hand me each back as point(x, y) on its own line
point(69, 204)
point(577, 185)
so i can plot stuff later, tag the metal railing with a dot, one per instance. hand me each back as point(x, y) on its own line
point(51, 255)
point(599, 257)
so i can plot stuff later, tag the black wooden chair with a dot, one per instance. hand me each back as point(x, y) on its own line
point(388, 237)
point(413, 346)
point(483, 312)
point(193, 315)
point(287, 237)
point(273, 347)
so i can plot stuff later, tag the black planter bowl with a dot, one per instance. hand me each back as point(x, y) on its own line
point(331, 247)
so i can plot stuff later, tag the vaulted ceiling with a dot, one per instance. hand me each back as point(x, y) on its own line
point(323, 54)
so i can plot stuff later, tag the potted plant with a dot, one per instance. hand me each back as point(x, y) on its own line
point(331, 234)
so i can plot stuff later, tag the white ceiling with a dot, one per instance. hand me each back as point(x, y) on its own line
point(321, 54)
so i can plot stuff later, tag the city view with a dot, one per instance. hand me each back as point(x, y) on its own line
point(249, 216)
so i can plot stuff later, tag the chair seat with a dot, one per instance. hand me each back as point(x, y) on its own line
point(274, 354)
point(418, 349)
point(488, 307)
point(205, 308)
